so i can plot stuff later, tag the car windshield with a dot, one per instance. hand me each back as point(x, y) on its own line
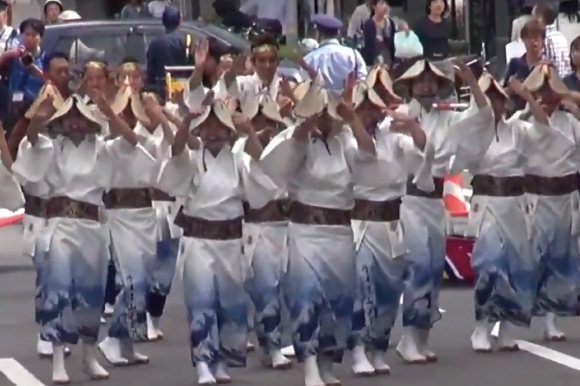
point(225, 35)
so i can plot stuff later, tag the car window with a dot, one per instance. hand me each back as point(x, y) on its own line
point(225, 35)
point(110, 45)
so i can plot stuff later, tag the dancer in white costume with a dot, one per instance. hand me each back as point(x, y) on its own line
point(504, 258)
point(458, 139)
point(77, 165)
point(11, 196)
point(35, 195)
point(214, 181)
point(378, 234)
point(265, 240)
point(132, 222)
point(315, 158)
point(551, 184)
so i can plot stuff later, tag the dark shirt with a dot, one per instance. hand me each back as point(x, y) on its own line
point(572, 82)
point(519, 68)
point(372, 48)
point(166, 50)
point(434, 37)
point(237, 20)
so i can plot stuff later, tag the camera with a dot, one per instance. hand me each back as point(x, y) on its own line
point(27, 59)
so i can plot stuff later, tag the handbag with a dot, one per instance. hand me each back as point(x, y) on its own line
point(407, 45)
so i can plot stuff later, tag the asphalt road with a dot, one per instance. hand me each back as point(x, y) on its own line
point(170, 364)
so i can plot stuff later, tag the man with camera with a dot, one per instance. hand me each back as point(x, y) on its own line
point(22, 65)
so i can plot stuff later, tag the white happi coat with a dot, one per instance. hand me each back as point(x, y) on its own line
point(251, 85)
point(11, 196)
point(194, 99)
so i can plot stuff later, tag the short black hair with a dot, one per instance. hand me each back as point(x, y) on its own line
point(217, 49)
point(55, 55)
point(428, 7)
point(265, 39)
point(574, 46)
point(34, 24)
point(547, 13)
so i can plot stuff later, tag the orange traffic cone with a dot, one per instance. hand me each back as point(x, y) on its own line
point(453, 197)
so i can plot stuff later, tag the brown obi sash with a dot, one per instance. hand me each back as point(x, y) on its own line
point(35, 206)
point(413, 190)
point(160, 195)
point(125, 198)
point(209, 229)
point(69, 208)
point(485, 185)
point(315, 215)
point(380, 211)
point(550, 186)
point(273, 211)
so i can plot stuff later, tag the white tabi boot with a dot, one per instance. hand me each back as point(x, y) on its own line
point(44, 348)
point(121, 352)
point(151, 330)
point(91, 366)
point(276, 360)
point(423, 335)
point(408, 347)
point(504, 340)
point(158, 331)
point(552, 333)
point(128, 351)
point(204, 375)
point(59, 374)
point(361, 365)
point(379, 363)
point(325, 368)
point(103, 321)
point(109, 310)
point(288, 351)
point(250, 347)
point(480, 338)
point(311, 372)
point(220, 372)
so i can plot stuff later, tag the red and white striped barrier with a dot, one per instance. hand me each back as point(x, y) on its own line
point(8, 217)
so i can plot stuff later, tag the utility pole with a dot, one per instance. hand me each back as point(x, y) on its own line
point(292, 23)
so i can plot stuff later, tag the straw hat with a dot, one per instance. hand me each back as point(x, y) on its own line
point(48, 90)
point(221, 111)
point(486, 81)
point(78, 102)
point(545, 73)
point(402, 85)
point(126, 96)
point(314, 98)
point(380, 74)
point(251, 105)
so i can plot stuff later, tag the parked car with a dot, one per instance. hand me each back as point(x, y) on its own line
point(113, 40)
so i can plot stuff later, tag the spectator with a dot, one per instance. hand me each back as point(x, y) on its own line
point(433, 30)
point(52, 9)
point(7, 34)
point(135, 10)
point(556, 46)
point(268, 11)
point(361, 14)
point(532, 36)
point(228, 11)
point(572, 81)
point(379, 36)
point(156, 7)
point(569, 19)
point(166, 50)
point(24, 62)
point(526, 15)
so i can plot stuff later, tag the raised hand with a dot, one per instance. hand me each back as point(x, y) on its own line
point(201, 52)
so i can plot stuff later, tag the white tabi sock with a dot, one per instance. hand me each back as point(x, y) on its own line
point(288, 351)
point(204, 375)
point(220, 372)
point(480, 338)
point(279, 361)
point(504, 340)
point(59, 374)
point(111, 350)
point(361, 365)
point(325, 368)
point(128, 351)
point(156, 322)
point(423, 334)
point(408, 347)
point(109, 310)
point(552, 332)
point(151, 330)
point(311, 372)
point(90, 364)
point(379, 363)
point(44, 348)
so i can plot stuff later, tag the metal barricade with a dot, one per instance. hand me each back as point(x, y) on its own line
point(175, 80)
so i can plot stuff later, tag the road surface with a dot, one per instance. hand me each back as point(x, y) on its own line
point(170, 365)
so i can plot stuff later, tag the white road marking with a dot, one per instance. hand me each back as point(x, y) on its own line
point(544, 352)
point(549, 354)
point(17, 374)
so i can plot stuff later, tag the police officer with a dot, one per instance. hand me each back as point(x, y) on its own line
point(167, 50)
point(333, 60)
point(7, 35)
